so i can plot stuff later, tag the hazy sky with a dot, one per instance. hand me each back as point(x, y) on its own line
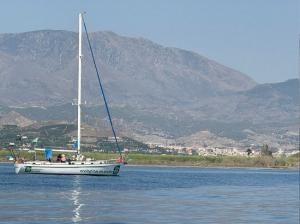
point(257, 37)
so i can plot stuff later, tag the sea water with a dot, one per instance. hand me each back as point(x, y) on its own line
point(152, 195)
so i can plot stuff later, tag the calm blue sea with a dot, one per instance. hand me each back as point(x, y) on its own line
point(152, 195)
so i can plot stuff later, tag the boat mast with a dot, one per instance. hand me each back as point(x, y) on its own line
point(79, 85)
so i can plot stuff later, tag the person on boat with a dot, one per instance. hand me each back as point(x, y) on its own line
point(58, 159)
point(63, 158)
point(120, 159)
point(48, 153)
point(73, 158)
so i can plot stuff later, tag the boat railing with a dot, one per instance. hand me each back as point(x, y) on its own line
point(42, 162)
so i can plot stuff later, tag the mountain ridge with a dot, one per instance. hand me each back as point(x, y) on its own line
point(134, 61)
point(152, 90)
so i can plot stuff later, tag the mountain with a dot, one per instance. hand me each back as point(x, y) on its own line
point(14, 118)
point(277, 102)
point(135, 71)
point(155, 92)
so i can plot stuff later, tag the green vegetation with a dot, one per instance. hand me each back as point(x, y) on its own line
point(59, 135)
point(265, 150)
point(180, 160)
point(214, 161)
point(48, 135)
point(8, 134)
point(108, 145)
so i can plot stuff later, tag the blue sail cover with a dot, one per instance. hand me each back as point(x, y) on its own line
point(75, 144)
point(48, 153)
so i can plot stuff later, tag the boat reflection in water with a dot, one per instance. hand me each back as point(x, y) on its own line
point(75, 198)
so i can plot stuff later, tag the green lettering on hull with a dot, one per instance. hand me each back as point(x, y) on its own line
point(28, 169)
point(116, 170)
point(104, 172)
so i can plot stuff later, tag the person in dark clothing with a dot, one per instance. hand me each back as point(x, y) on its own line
point(58, 158)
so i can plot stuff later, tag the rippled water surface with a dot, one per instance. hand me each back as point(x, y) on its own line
point(152, 195)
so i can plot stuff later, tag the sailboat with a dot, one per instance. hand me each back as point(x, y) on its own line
point(78, 166)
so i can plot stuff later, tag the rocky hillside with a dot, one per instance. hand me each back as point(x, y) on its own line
point(14, 118)
point(155, 92)
point(266, 114)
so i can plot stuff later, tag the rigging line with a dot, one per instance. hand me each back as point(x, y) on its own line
point(101, 87)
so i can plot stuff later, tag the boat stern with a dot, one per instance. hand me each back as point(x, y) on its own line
point(18, 167)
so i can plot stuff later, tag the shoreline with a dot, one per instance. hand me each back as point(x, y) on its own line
point(213, 167)
point(294, 168)
point(194, 161)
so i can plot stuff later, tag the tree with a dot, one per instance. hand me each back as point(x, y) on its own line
point(265, 150)
point(249, 152)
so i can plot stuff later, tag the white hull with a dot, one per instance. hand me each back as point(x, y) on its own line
point(98, 168)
